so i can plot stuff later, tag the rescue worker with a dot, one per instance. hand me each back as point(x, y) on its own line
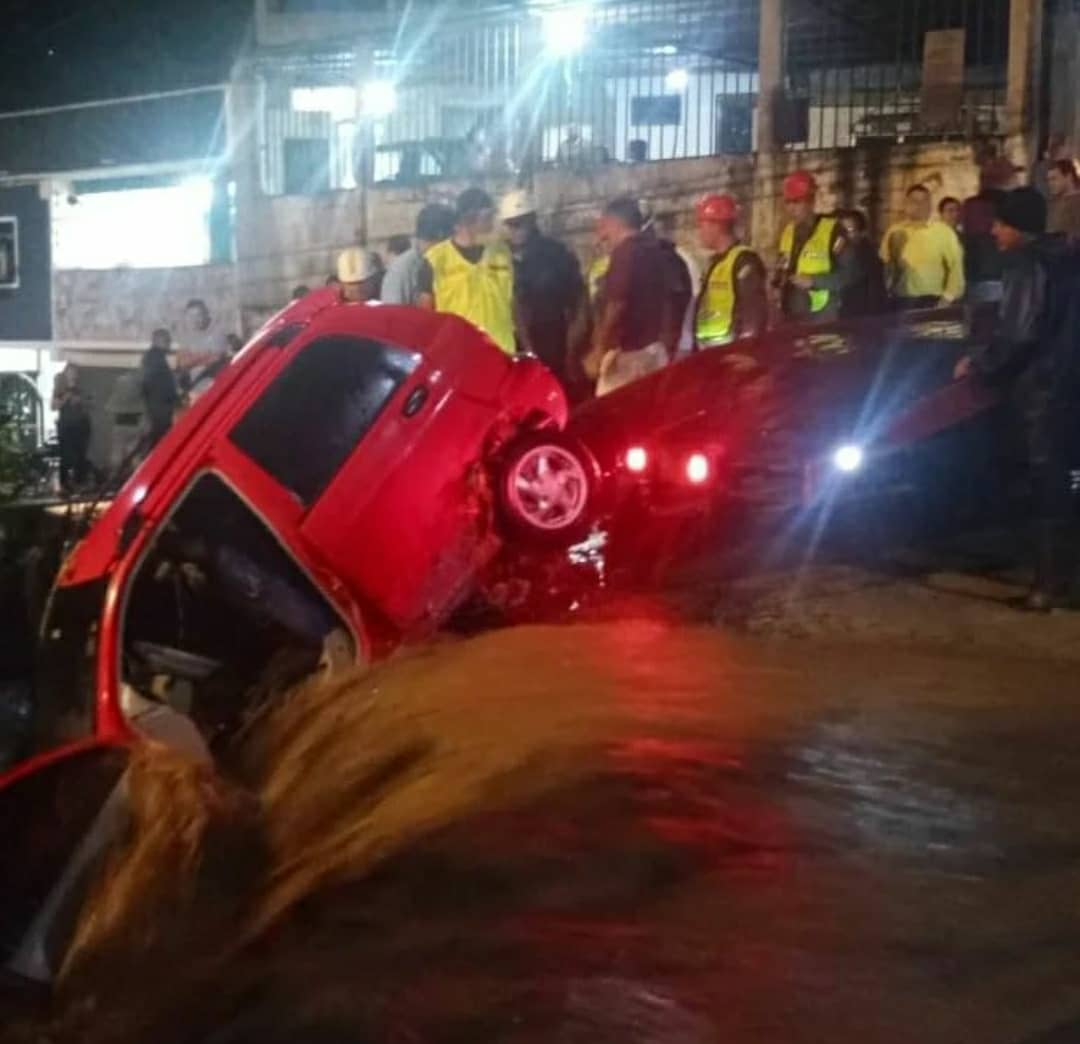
point(549, 291)
point(815, 266)
point(924, 262)
point(434, 223)
point(732, 304)
point(1033, 356)
point(359, 275)
point(471, 274)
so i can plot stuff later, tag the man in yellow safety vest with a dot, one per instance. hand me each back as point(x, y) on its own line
point(732, 304)
point(814, 262)
point(472, 273)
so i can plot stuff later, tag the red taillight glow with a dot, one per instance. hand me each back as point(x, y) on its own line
point(697, 468)
point(637, 459)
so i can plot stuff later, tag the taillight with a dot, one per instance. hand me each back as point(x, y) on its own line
point(697, 468)
point(637, 460)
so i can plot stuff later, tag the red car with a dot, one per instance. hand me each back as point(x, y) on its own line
point(336, 493)
point(801, 412)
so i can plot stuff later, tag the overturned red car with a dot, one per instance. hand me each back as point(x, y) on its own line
point(336, 493)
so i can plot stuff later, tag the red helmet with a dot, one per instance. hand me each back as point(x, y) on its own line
point(798, 186)
point(717, 207)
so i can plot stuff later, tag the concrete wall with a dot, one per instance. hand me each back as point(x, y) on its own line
point(116, 307)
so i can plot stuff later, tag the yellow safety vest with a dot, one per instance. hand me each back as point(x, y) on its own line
point(482, 292)
point(814, 259)
point(595, 277)
point(716, 307)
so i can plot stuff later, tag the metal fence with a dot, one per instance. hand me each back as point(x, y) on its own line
point(442, 94)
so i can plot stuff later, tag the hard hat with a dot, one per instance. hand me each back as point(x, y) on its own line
point(516, 204)
point(798, 186)
point(355, 265)
point(719, 207)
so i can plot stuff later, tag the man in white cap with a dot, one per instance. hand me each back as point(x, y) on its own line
point(358, 272)
point(549, 292)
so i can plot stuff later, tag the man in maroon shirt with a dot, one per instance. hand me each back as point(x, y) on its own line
point(641, 294)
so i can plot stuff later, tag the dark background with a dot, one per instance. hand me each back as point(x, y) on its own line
point(57, 51)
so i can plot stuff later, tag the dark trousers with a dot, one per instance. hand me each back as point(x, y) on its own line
point(74, 439)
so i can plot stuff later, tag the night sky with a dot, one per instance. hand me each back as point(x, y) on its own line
point(58, 51)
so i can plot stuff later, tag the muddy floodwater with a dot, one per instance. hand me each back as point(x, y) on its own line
point(631, 831)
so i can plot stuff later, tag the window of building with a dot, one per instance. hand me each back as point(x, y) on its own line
point(307, 166)
point(156, 226)
point(312, 417)
point(659, 110)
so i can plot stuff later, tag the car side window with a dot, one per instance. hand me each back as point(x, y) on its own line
point(309, 420)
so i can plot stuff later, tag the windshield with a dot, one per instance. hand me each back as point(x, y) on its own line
point(219, 616)
point(63, 698)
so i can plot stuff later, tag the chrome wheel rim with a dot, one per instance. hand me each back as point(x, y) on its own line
point(548, 487)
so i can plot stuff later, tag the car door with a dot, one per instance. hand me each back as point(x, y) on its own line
point(58, 815)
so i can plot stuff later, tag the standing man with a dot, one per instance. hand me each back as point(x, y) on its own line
point(1064, 190)
point(732, 304)
point(814, 262)
point(628, 341)
point(359, 272)
point(401, 286)
point(159, 391)
point(471, 274)
point(549, 291)
point(202, 350)
point(865, 294)
point(1032, 355)
point(924, 263)
point(73, 428)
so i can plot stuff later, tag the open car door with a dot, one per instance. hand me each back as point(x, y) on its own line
point(58, 815)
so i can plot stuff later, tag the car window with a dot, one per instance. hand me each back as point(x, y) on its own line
point(310, 419)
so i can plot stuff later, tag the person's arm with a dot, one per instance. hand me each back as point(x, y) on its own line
point(953, 258)
point(425, 286)
point(751, 315)
point(1016, 337)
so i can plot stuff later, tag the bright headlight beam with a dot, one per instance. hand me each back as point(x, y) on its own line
point(848, 458)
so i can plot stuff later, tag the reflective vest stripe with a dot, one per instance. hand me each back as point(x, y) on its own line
point(482, 292)
point(716, 309)
point(814, 259)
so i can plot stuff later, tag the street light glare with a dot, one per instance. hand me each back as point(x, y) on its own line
point(565, 30)
point(677, 81)
point(378, 99)
point(848, 458)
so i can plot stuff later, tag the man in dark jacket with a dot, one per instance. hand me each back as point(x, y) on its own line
point(1032, 355)
point(159, 387)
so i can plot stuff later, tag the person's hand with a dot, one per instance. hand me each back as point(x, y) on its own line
point(963, 369)
point(592, 361)
point(803, 282)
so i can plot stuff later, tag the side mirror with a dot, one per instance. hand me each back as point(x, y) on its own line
point(58, 815)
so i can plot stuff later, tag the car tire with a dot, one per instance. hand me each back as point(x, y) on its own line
point(546, 488)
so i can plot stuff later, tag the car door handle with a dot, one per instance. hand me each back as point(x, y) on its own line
point(415, 402)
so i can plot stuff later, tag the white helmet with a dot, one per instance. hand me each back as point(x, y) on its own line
point(355, 265)
point(516, 204)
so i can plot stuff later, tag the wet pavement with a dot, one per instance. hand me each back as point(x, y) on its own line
point(632, 830)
